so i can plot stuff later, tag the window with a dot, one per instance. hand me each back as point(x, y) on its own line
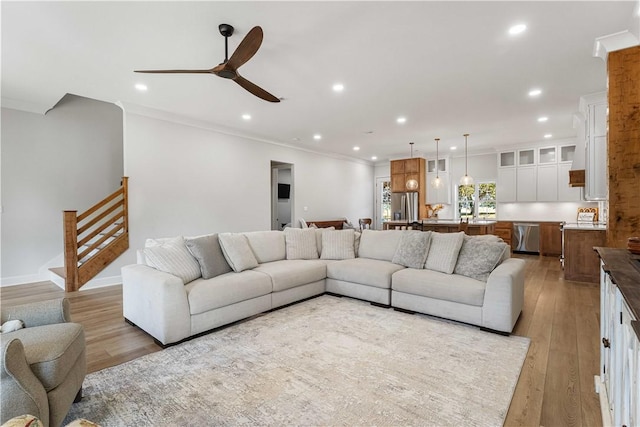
point(386, 201)
point(477, 200)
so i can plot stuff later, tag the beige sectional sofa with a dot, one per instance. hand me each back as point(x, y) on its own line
point(255, 272)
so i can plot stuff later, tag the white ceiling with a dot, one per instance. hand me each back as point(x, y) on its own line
point(448, 67)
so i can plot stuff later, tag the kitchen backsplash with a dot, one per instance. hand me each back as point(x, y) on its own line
point(537, 211)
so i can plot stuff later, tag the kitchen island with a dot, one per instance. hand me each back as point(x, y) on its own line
point(581, 263)
point(474, 227)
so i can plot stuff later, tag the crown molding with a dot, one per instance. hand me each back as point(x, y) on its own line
point(612, 42)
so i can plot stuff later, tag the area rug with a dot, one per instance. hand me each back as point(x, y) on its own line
point(324, 362)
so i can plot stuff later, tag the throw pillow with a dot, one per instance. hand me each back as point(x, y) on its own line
point(443, 253)
point(173, 257)
point(301, 243)
point(207, 251)
point(413, 249)
point(479, 257)
point(356, 243)
point(319, 232)
point(338, 244)
point(237, 252)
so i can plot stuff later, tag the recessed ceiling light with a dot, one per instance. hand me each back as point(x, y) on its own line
point(374, 157)
point(317, 137)
point(517, 29)
point(453, 148)
point(547, 135)
point(141, 87)
point(535, 92)
point(543, 119)
point(356, 148)
point(401, 120)
point(246, 116)
point(338, 87)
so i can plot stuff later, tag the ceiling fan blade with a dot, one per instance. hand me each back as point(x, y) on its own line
point(256, 90)
point(247, 48)
point(175, 71)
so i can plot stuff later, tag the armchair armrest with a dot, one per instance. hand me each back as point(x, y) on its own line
point(22, 392)
point(39, 313)
point(504, 296)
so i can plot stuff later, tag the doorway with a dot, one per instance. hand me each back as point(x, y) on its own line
point(282, 195)
point(382, 201)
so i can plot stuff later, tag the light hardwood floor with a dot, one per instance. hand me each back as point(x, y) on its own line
point(556, 386)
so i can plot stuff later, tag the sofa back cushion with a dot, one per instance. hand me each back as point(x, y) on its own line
point(443, 251)
point(301, 243)
point(379, 245)
point(236, 250)
point(207, 251)
point(267, 246)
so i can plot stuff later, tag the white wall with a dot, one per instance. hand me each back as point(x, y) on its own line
point(188, 180)
point(69, 158)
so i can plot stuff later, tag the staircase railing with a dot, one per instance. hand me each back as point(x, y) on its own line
point(95, 238)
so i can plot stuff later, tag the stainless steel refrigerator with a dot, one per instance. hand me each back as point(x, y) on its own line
point(404, 206)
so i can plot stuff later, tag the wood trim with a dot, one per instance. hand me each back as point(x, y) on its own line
point(70, 226)
point(100, 241)
point(95, 220)
point(110, 222)
point(125, 202)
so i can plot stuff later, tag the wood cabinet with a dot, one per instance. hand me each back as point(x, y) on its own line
point(581, 263)
point(504, 230)
point(550, 239)
point(406, 169)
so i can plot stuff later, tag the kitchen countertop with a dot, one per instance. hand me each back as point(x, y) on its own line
point(585, 226)
point(444, 222)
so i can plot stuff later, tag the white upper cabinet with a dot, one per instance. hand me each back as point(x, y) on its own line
point(441, 195)
point(507, 159)
point(596, 185)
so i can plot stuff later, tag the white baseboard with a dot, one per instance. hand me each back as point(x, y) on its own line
point(21, 280)
point(52, 277)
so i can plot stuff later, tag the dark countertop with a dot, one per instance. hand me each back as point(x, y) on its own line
point(618, 264)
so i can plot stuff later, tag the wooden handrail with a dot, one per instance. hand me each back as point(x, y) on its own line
point(98, 205)
point(113, 218)
point(100, 229)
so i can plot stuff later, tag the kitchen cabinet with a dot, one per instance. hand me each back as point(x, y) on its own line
point(504, 230)
point(550, 239)
point(566, 193)
point(405, 170)
point(596, 152)
point(526, 184)
point(547, 183)
point(440, 195)
point(506, 185)
point(619, 380)
point(580, 261)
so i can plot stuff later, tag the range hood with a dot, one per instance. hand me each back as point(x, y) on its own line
point(577, 172)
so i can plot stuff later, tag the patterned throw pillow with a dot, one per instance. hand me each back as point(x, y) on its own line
point(338, 244)
point(237, 251)
point(173, 257)
point(301, 243)
point(413, 249)
point(443, 253)
point(478, 258)
point(207, 251)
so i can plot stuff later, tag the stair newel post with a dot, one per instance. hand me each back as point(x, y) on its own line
point(125, 203)
point(70, 220)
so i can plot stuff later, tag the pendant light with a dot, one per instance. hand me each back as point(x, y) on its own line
point(437, 182)
point(412, 184)
point(466, 179)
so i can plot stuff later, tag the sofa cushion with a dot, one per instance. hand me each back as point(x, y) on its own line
point(319, 232)
point(338, 244)
point(237, 252)
point(207, 251)
point(437, 285)
point(51, 350)
point(478, 257)
point(364, 271)
point(301, 243)
point(226, 289)
point(173, 257)
point(291, 273)
point(267, 246)
point(443, 252)
point(379, 245)
point(413, 248)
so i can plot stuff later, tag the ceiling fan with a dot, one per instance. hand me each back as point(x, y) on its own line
point(229, 68)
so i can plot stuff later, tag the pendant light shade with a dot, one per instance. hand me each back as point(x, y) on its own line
point(466, 179)
point(412, 184)
point(437, 182)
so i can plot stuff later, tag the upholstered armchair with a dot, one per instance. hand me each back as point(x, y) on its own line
point(44, 364)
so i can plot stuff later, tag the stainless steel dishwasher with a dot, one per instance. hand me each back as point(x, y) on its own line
point(526, 237)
